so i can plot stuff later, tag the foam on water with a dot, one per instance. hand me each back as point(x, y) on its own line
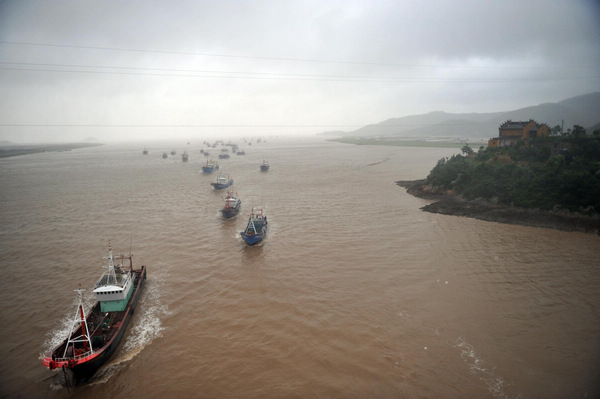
point(478, 368)
point(56, 336)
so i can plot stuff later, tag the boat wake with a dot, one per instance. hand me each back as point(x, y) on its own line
point(477, 366)
point(377, 163)
point(55, 337)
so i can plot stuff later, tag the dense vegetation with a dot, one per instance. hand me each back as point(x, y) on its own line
point(558, 172)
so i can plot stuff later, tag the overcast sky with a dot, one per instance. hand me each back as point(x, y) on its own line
point(142, 70)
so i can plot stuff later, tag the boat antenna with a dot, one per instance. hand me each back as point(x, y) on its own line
point(130, 254)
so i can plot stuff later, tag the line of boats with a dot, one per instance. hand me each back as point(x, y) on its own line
point(256, 229)
point(95, 336)
point(223, 155)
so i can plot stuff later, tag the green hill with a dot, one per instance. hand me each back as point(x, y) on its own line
point(549, 174)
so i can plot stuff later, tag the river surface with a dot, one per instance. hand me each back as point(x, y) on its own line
point(355, 292)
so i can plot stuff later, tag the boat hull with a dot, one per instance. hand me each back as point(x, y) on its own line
point(209, 169)
point(84, 368)
point(222, 186)
point(253, 239)
point(231, 211)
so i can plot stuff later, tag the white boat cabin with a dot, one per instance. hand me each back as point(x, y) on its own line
point(114, 288)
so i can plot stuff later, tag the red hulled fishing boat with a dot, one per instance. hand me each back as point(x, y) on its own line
point(94, 338)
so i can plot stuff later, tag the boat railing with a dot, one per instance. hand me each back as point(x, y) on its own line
point(79, 356)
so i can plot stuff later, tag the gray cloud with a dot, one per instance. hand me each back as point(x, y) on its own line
point(285, 63)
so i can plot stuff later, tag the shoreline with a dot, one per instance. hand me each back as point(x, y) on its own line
point(13, 150)
point(447, 203)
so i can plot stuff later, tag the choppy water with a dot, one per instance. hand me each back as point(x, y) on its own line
point(355, 292)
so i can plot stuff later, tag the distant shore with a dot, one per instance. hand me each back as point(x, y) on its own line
point(400, 142)
point(449, 204)
point(14, 150)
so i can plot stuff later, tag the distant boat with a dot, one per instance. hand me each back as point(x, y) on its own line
point(224, 156)
point(241, 152)
point(145, 152)
point(210, 166)
point(265, 166)
point(232, 206)
point(222, 182)
point(165, 155)
point(173, 152)
point(95, 337)
point(256, 229)
point(185, 156)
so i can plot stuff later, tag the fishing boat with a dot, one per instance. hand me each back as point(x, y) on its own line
point(256, 229)
point(94, 338)
point(145, 152)
point(165, 155)
point(232, 206)
point(222, 182)
point(173, 152)
point(265, 166)
point(210, 166)
point(185, 156)
point(241, 152)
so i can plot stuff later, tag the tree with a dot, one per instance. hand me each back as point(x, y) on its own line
point(578, 131)
point(556, 131)
point(467, 150)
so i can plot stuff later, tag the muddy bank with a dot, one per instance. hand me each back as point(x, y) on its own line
point(14, 150)
point(449, 204)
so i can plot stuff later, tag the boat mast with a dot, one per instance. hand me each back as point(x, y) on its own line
point(110, 273)
point(79, 321)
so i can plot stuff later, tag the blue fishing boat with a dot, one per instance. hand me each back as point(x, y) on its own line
point(222, 182)
point(232, 206)
point(210, 166)
point(256, 229)
point(265, 166)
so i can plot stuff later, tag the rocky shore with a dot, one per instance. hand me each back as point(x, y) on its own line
point(448, 203)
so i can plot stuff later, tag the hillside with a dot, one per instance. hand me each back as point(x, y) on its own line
point(525, 184)
point(581, 110)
